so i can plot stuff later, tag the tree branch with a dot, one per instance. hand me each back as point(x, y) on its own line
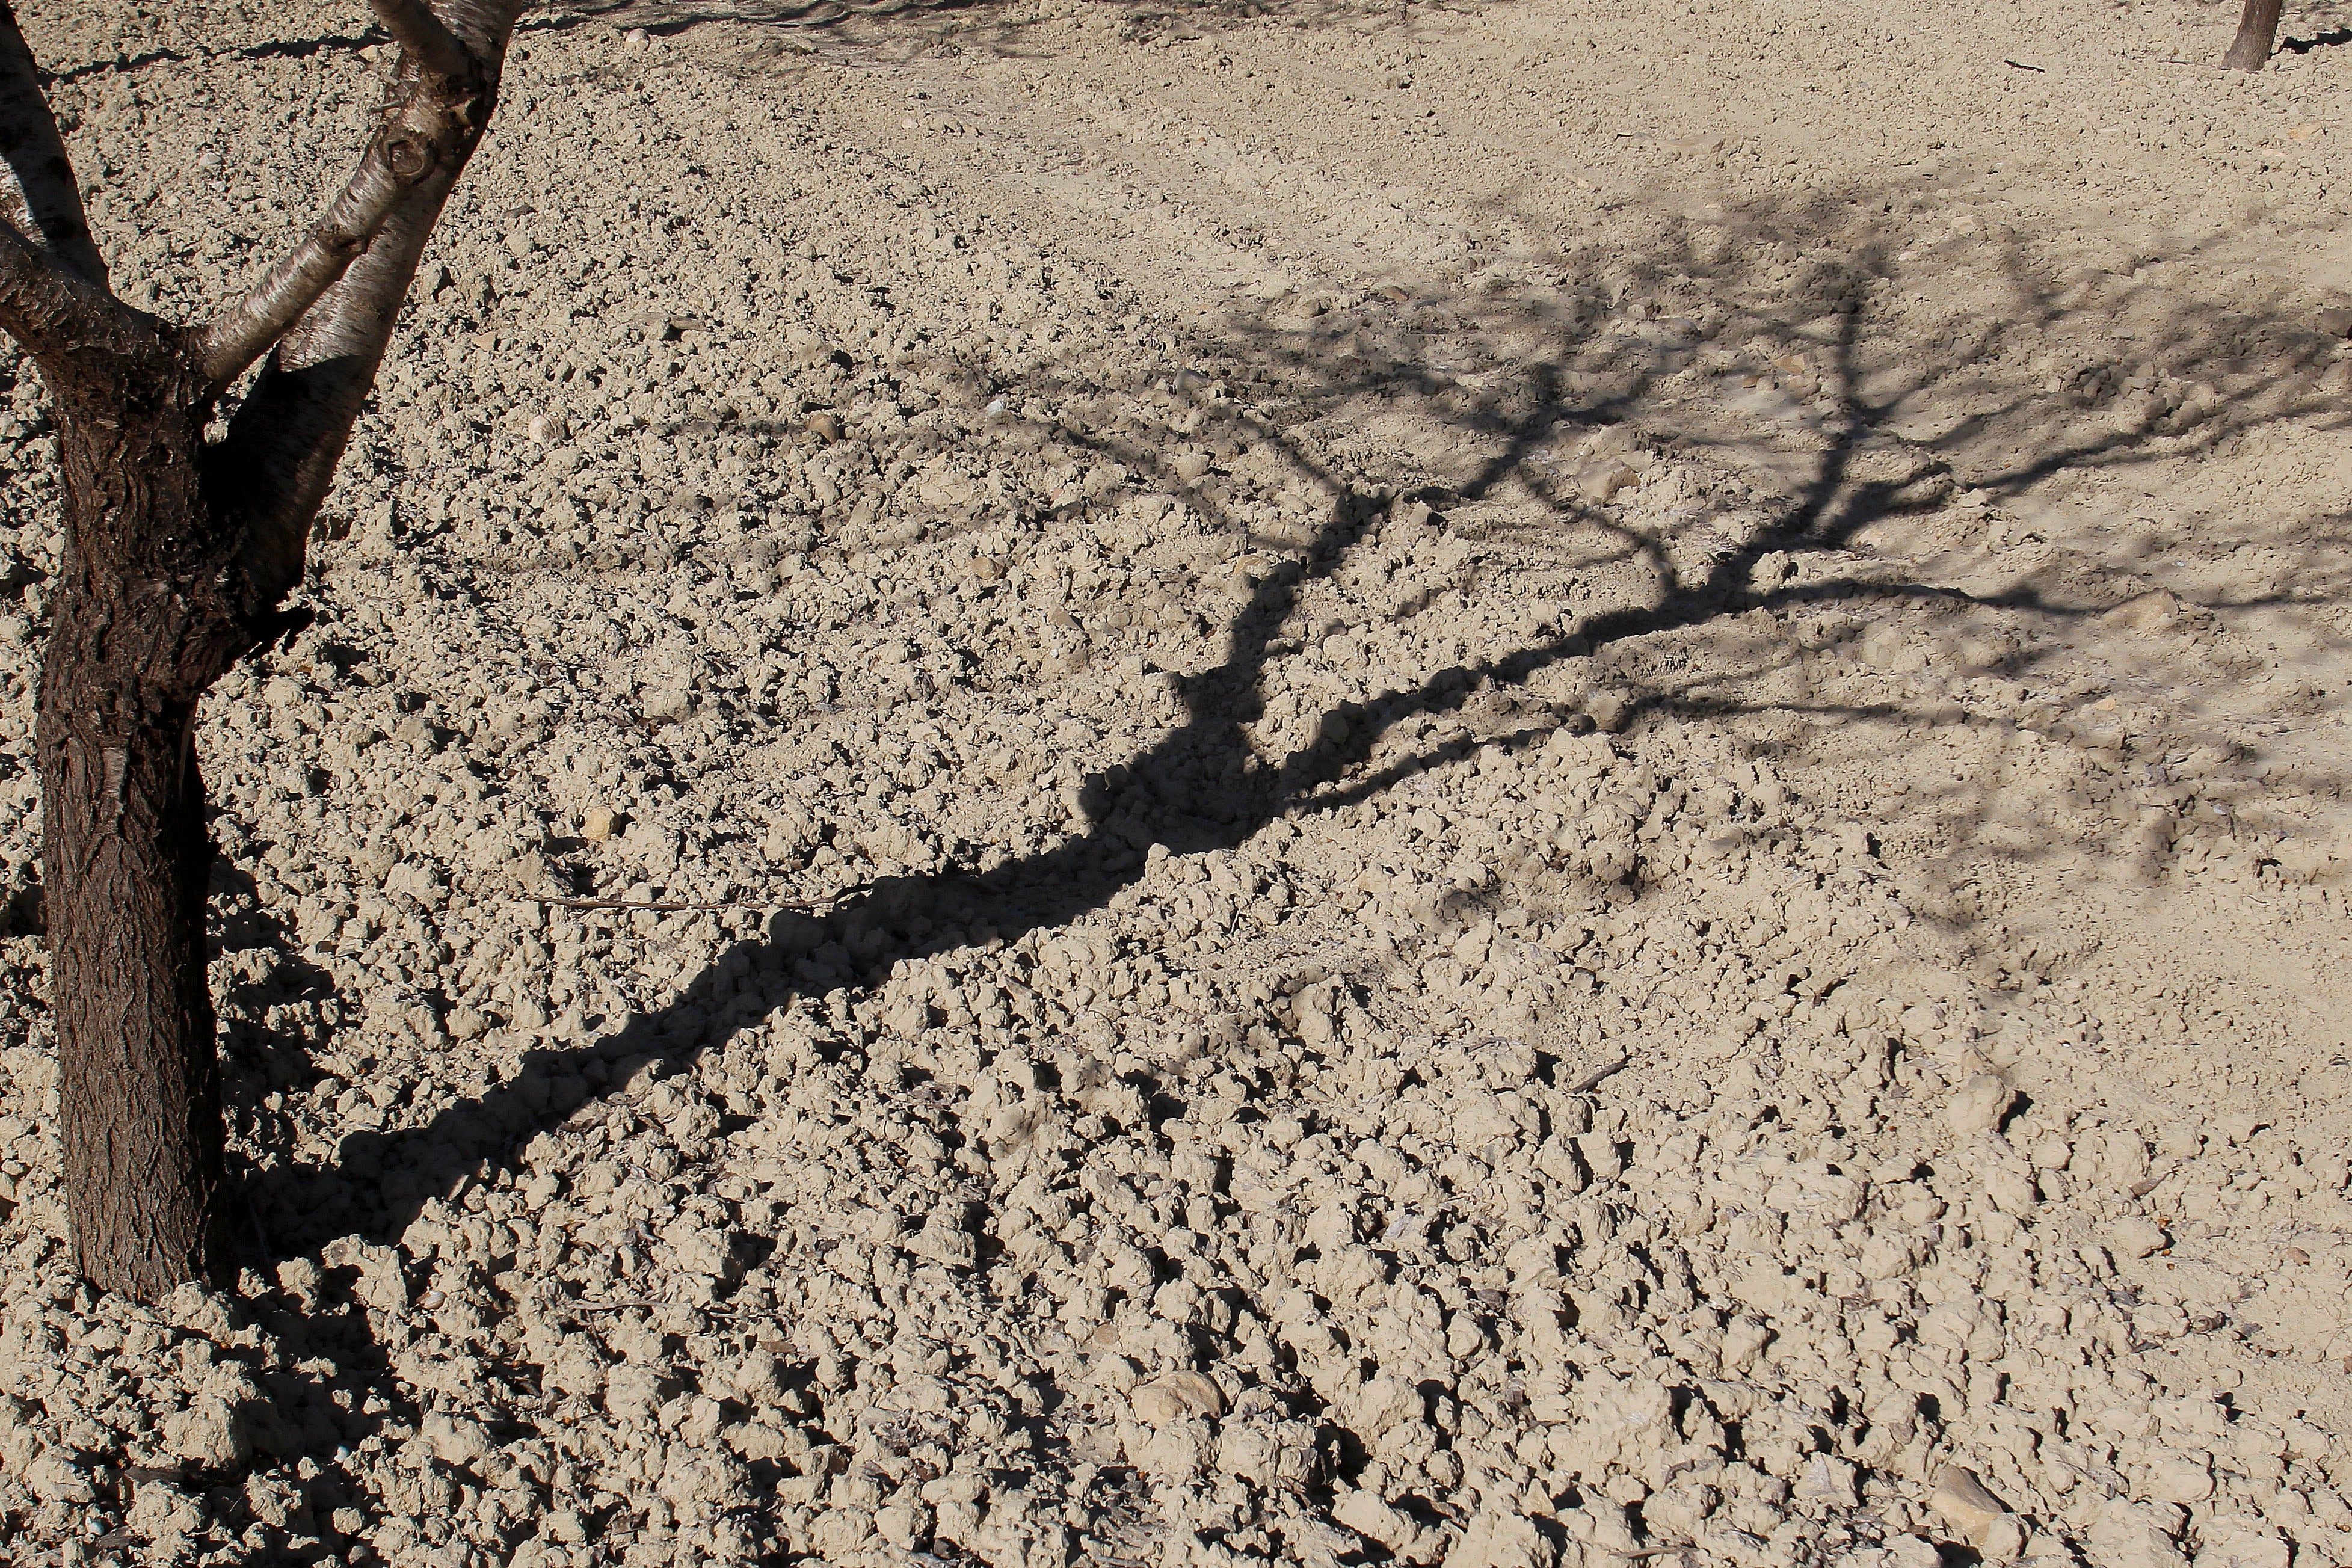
point(32, 300)
point(245, 332)
point(38, 195)
point(49, 310)
point(420, 32)
point(431, 113)
point(278, 461)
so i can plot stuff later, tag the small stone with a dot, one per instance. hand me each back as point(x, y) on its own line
point(824, 425)
point(599, 823)
point(1962, 1502)
point(2182, 1481)
point(1601, 482)
point(55, 1478)
point(904, 1525)
point(2136, 1236)
point(466, 1023)
point(208, 1433)
point(1830, 1479)
point(1176, 1395)
point(1978, 1105)
point(1609, 710)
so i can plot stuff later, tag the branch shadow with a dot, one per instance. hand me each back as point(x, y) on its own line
point(278, 49)
point(883, 25)
point(1214, 781)
point(1205, 785)
point(2335, 38)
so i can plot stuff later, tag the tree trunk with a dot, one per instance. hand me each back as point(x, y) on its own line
point(2257, 36)
point(138, 631)
point(176, 556)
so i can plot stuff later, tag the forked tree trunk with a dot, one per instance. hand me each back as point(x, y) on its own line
point(177, 554)
point(2257, 36)
point(135, 639)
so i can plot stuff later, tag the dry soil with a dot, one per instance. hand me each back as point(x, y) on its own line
point(1527, 785)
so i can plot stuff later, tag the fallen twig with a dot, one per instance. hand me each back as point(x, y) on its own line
point(647, 1306)
point(666, 907)
point(1592, 1080)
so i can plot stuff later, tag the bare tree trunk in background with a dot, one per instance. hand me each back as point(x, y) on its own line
point(175, 557)
point(2257, 36)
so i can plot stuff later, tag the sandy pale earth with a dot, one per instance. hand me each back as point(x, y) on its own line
point(1527, 785)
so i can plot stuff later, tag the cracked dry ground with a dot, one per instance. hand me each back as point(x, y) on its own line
point(1523, 787)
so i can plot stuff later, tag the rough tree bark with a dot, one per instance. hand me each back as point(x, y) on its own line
point(176, 556)
point(2257, 36)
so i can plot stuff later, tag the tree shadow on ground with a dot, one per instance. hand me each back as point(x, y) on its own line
point(900, 28)
point(269, 49)
point(1586, 352)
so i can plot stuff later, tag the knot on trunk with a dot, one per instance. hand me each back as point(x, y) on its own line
point(410, 158)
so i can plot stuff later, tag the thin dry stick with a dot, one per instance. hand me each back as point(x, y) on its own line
point(649, 1306)
point(1593, 1080)
point(667, 908)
